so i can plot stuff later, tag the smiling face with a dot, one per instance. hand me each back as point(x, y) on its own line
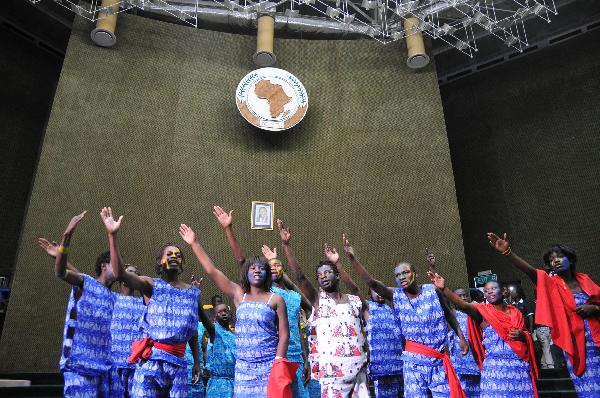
point(256, 274)
point(276, 270)
point(172, 259)
point(328, 277)
point(404, 275)
point(493, 292)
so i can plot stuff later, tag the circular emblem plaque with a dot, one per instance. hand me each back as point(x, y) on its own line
point(271, 99)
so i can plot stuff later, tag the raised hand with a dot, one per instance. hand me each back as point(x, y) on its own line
point(437, 280)
point(346, 246)
point(196, 282)
point(331, 253)
point(268, 253)
point(51, 248)
point(187, 234)
point(500, 244)
point(110, 223)
point(224, 218)
point(430, 259)
point(284, 233)
point(74, 222)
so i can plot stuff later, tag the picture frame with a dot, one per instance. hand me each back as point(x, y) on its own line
point(262, 215)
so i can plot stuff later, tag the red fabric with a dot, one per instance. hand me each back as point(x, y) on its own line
point(143, 349)
point(476, 341)
point(502, 324)
point(556, 309)
point(280, 379)
point(456, 390)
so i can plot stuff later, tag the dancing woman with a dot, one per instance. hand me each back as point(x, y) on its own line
point(501, 344)
point(569, 303)
point(262, 329)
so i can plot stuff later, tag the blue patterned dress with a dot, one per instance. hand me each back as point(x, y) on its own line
point(196, 390)
point(588, 385)
point(294, 354)
point(422, 320)
point(124, 330)
point(385, 349)
point(85, 360)
point(504, 374)
point(171, 317)
point(256, 346)
point(465, 366)
point(220, 362)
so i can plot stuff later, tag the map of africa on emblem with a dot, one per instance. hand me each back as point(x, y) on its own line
point(271, 99)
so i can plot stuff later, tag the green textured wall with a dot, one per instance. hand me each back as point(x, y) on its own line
point(151, 128)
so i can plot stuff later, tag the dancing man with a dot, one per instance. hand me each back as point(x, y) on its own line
point(424, 317)
point(86, 354)
point(504, 350)
point(568, 302)
point(169, 322)
point(337, 318)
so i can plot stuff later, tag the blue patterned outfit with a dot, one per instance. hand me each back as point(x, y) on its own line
point(422, 320)
point(256, 345)
point(196, 390)
point(85, 360)
point(385, 349)
point(220, 362)
point(124, 330)
point(588, 385)
point(465, 366)
point(294, 354)
point(504, 373)
point(171, 317)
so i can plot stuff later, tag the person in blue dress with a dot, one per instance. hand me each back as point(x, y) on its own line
point(504, 350)
point(262, 329)
point(423, 315)
point(85, 360)
point(170, 320)
point(465, 366)
point(293, 300)
point(124, 330)
point(220, 353)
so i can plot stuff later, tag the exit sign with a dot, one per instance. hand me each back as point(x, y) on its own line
point(482, 280)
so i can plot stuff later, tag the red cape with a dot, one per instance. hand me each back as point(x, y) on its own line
point(555, 308)
point(280, 379)
point(502, 324)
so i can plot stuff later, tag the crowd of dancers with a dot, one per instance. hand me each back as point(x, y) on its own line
point(295, 338)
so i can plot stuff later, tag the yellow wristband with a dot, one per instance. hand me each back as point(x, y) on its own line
point(62, 249)
point(507, 252)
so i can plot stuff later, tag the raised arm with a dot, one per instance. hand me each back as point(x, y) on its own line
point(51, 249)
point(142, 283)
point(305, 286)
point(223, 283)
point(60, 263)
point(332, 255)
point(378, 286)
point(208, 325)
point(226, 221)
point(468, 308)
point(502, 246)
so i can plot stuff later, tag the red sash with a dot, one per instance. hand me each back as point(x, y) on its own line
point(502, 324)
point(280, 379)
point(456, 390)
point(556, 309)
point(143, 349)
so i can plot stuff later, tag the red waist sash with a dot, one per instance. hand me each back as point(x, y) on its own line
point(280, 379)
point(456, 390)
point(143, 349)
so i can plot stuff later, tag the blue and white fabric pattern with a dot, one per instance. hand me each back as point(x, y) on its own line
point(125, 328)
point(256, 345)
point(504, 374)
point(220, 362)
point(465, 366)
point(385, 341)
point(196, 390)
point(588, 385)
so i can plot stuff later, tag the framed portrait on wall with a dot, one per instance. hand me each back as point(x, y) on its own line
point(262, 215)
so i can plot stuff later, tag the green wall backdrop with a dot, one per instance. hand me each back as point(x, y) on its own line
point(150, 127)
